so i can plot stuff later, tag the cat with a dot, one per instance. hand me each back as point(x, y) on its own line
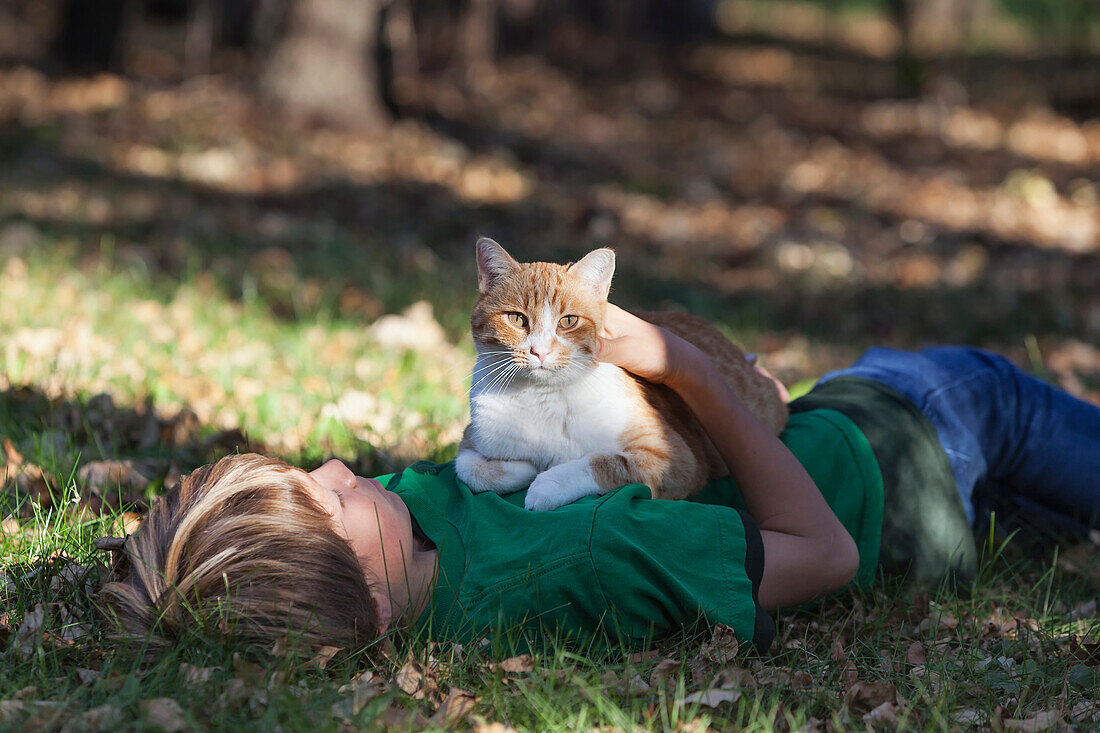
point(546, 414)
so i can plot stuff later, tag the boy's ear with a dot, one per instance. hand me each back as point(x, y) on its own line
point(383, 608)
point(596, 268)
point(492, 263)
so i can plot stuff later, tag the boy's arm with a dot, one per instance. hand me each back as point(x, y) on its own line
point(807, 551)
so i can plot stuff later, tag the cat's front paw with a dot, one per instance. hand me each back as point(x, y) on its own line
point(487, 474)
point(560, 485)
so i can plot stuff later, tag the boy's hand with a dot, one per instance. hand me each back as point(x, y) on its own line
point(641, 348)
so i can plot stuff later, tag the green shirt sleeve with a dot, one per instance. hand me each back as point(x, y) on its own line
point(664, 565)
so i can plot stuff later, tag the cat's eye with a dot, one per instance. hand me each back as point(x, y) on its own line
point(567, 322)
point(518, 319)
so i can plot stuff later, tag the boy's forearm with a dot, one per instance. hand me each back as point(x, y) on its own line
point(807, 551)
point(778, 492)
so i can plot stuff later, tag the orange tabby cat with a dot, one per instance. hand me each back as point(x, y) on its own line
point(545, 414)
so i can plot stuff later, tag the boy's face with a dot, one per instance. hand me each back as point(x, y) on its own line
point(377, 524)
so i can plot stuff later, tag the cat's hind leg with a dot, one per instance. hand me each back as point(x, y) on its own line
point(663, 462)
point(489, 474)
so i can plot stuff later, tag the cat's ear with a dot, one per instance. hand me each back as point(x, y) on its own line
point(492, 263)
point(596, 268)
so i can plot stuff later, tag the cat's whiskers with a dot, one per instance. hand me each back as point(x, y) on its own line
point(490, 364)
point(492, 375)
point(505, 378)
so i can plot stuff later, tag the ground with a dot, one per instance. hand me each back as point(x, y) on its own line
point(184, 274)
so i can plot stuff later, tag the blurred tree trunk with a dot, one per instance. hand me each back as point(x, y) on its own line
point(89, 33)
point(325, 64)
point(479, 34)
point(401, 36)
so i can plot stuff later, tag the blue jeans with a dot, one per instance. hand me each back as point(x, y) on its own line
point(1013, 438)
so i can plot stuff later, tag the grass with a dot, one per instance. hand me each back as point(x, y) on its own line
point(275, 357)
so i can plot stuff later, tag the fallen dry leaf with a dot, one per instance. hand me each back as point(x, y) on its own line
point(915, 654)
point(110, 476)
point(86, 676)
point(865, 696)
point(836, 653)
point(639, 657)
point(968, 716)
point(635, 686)
point(884, 714)
point(722, 647)
point(732, 678)
point(666, 669)
point(712, 698)
point(100, 719)
point(30, 631)
point(324, 656)
point(456, 706)
point(163, 713)
point(192, 675)
point(1083, 712)
point(520, 664)
point(1041, 721)
point(410, 677)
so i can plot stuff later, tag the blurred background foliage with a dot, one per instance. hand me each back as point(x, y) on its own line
point(259, 214)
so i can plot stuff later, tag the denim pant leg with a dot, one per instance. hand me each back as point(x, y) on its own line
point(998, 424)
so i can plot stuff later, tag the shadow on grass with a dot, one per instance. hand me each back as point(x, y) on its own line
point(354, 251)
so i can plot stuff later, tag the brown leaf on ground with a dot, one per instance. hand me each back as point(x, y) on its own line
point(666, 669)
point(164, 714)
point(520, 664)
point(363, 688)
point(1085, 651)
point(1084, 712)
point(732, 678)
point(712, 698)
point(863, 697)
point(29, 634)
point(29, 478)
point(884, 714)
point(639, 657)
point(836, 653)
point(715, 653)
point(234, 692)
point(968, 716)
point(324, 656)
point(457, 705)
point(192, 675)
point(915, 654)
point(849, 675)
point(99, 719)
point(938, 620)
point(35, 715)
point(1041, 721)
point(87, 676)
point(722, 647)
point(400, 719)
point(248, 671)
point(111, 476)
point(410, 677)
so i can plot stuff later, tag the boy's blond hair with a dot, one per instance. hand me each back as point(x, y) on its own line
point(240, 549)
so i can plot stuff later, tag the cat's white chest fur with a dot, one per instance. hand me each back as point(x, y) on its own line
point(548, 424)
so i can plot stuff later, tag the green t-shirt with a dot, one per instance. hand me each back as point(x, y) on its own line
point(622, 565)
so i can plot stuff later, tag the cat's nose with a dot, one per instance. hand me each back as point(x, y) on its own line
point(539, 353)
